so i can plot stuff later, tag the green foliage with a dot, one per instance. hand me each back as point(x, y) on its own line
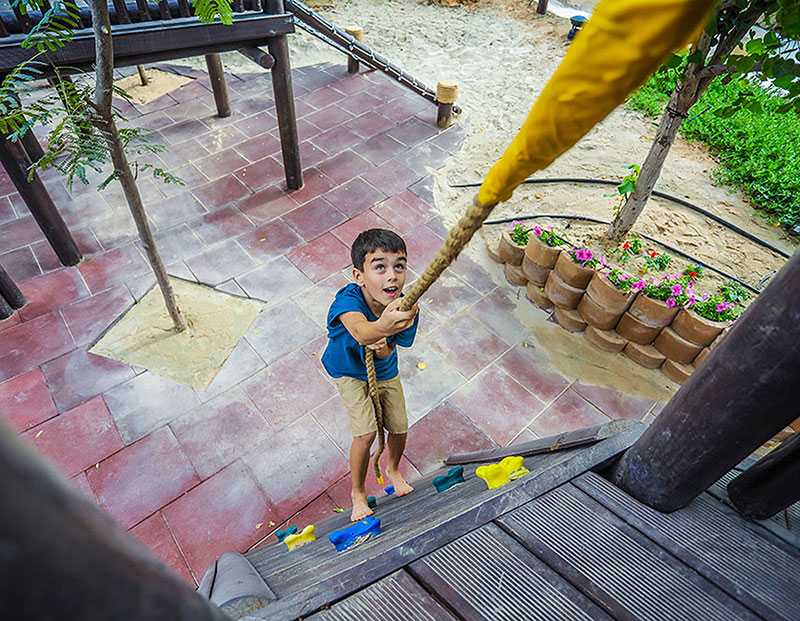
point(655, 262)
point(631, 247)
point(520, 234)
point(548, 237)
point(55, 28)
point(716, 308)
point(734, 292)
point(211, 10)
point(758, 147)
point(627, 186)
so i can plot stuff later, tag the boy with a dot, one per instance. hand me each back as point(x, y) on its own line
point(366, 314)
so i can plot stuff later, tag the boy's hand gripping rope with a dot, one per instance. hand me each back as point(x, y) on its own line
point(458, 237)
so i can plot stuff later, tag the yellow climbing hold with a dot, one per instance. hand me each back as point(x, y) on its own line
point(422, 365)
point(302, 538)
point(507, 469)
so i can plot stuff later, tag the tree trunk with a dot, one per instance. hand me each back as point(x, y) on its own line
point(142, 75)
point(104, 121)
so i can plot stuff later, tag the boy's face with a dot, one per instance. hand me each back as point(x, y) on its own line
point(383, 277)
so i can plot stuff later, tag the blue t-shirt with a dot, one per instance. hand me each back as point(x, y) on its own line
point(343, 356)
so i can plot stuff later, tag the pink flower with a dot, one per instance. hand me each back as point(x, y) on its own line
point(624, 277)
point(671, 303)
point(692, 300)
point(705, 296)
point(537, 230)
point(677, 289)
point(639, 285)
point(723, 306)
point(602, 260)
point(583, 255)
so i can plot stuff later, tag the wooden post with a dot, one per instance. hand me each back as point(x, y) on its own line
point(5, 309)
point(9, 291)
point(357, 32)
point(142, 75)
point(284, 104)
point(257, 55)
point(32, 146)
point(217, 76)
point(739, 398)
point(446, 95)
point(541, 8)
point(771, 485)
point(64, 558)
point(16, 162)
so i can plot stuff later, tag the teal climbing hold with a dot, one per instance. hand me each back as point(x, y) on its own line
point(283, 534)
point(355, 534)
point(372, 502)
point(453, 477)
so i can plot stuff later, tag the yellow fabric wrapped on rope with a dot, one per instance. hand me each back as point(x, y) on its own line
point(622, 44)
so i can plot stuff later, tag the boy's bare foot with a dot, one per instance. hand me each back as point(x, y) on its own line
point(360, 507)
point(401, 488)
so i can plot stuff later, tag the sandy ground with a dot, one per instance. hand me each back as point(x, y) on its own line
point(501, 53)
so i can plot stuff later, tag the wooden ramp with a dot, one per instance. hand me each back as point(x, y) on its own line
point(560, 543)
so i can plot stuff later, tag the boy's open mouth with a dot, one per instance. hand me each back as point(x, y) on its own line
point(392, 292)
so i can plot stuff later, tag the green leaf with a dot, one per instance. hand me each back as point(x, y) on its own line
point(726, 111)
point(695, 58)
point(771, 39)
point(626, 187)
point(755, 46)
point(673, 61)
point(784, 82)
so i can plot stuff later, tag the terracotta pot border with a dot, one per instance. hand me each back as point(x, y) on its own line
point(509, 251)
point(560, 293)
point(541, 254)
point(596, 314)
point(652, 312)
point(603, 292)
point(697, 329)
point(572, 273)
point(515, 275)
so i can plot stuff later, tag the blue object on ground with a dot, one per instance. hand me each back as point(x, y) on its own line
point(453, 477)
point(578, 22)
point(389, 490)
point(346, 538)
point(283, 534)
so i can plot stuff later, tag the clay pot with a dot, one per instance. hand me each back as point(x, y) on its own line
point(607, 295)
point(654, 313)
point(494, 253)
point(570, 320)
point(509, 251)
point(634, 330)
point(597, 315)
point(536, 295)
point(515, 275)
point(541, 254)
point(701, 357)
point(572, 273)
point(697, 329)
point(644, 355)
point(675, 347)
point(534, 272)
point(560, 293)
point(720, 338)
point(607, 340)
point(676, 371)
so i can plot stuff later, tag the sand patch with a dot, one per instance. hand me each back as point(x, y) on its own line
point(158, 83)
point(144, 336)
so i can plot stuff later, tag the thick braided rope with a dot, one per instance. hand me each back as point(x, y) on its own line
point(457, 239)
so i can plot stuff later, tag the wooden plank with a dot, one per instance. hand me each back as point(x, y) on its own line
point(284, 108)
point(570, 439)
point(398, 596)
point(486, 575)
point(151, 38)
point(623, 571)
point(329, 577)
point(121, 12)
point(740, 557)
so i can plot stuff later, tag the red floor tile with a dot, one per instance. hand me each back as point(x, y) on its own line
point(262, 173)
point(391, 177)
point(154, 533)
point(311, 154)
point(18, 233)
point(20, 264)
point(335, 421)
point(329, 117)
point(319, 509)
point(82, 484)
point(88, 319)
point(267, 204)
point(470, 271)
point(221, 192)
point(450, 295)
point(314, 184)
point(467, 344)
point(112, 267)
point(428, 443)
point(288, 389)
point(323, 97)
point(183, 130)
point(280, 330)
point(7, 212)
point(5, 324)
point(350, 84)
point(497, 405)
point(354, 197)
point(400, 216)
point(241, 364)
point(216, 433)
point(220, 225)
point(496, 311)
point(567, 413)
point(175, 209)
point(423, 245)
point(257, 124)
point(226, 512)
point(147, 402)
point(84, 238)
point(220, 163)
point(78, 438)
point(47, 293)
point(614, 403)
point(321, 258)
point(423, 158)
point(413, 131)
point(259, 147)
point(531, 367)
point(316, 301)
point(428, 378)
point(270, 241)
point(295, 466)
point(344, 166)
point(336, 140)
point(176, 243)
point(314, 218)
point(78, 376)
point(183, 153)
point(369, 124)
point(25, 401)
point(29, 344)
point(254, 105)
point(222, 138)
point(347, 232)
point(142, 478)
point(380, 148)
point(220, 262)
point(275, 281)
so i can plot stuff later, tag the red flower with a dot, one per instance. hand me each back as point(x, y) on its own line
point(692, 274)
point(653, 254)
point(626, 246)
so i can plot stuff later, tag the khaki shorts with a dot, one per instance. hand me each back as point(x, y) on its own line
point(359, 406)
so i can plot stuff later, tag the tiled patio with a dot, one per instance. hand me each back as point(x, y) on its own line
point(195, 473)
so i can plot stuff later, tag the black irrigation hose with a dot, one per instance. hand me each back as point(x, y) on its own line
point(674, 199)
point(680, 253)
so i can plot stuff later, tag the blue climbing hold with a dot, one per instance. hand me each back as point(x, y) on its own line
point(283, 534)
point(348, 537)
point(453, 477)
point(389, 490)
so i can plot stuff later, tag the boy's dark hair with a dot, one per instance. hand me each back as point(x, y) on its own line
point(372, 240)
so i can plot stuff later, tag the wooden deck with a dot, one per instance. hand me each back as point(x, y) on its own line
point(561, 543)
